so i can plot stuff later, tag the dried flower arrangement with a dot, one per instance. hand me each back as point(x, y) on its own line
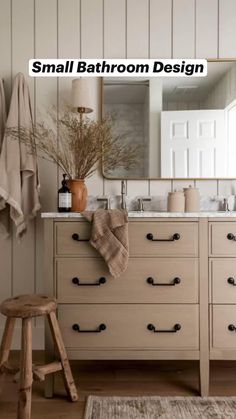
point(77, 145)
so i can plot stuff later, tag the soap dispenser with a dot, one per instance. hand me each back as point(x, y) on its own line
point(64, 196)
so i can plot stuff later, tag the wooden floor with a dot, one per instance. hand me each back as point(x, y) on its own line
point(119, 378)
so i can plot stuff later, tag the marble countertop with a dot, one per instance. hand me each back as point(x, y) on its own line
point(150, 214)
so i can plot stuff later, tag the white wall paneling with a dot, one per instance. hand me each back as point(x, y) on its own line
point(68, 41)
point(91, 28)
point(96, 29)
point(183, 28)
point(206, 28)
point(5, 45)
point(227, 28)
point(160, 187)
point(112, 187)
point(137, 28)
point(226, 188)
point(114, 28)
point(160, 28)
point(207, 187)
point(139, 188)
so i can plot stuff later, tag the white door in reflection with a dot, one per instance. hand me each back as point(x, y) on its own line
point(194, 144)
point(231, 131)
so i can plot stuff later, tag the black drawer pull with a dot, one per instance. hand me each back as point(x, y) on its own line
point(75, 236)
point(101, 328)
point(101, 281)
point(231, 281)
point(175, 281)
point(176, 236)
point(232, 328)
point(231, 236)
point(152, 328)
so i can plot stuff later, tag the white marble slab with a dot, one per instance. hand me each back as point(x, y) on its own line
point(150, 214)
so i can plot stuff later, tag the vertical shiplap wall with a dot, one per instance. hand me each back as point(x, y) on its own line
point(96, 29)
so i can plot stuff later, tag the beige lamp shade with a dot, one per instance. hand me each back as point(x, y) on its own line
point(81, 95)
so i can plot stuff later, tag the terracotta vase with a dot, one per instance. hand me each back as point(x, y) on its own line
point(79, 195)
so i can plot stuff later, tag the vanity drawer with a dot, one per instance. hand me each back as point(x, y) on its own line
point(222, 317)
point(220, 243)
point(162, 234)
point(132, 286)
point(127, 326)
point(64, 243)
point(223, 278)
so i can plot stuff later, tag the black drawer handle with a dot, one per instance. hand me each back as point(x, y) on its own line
point(175, 281)
point(231, 281)
point(101, 281)
point(231, 236)
point(176, 236)
point(232, 328)
point(152, 328)
point(101, 328)
point(75, 236)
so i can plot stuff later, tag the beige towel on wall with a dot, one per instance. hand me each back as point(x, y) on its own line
point(19, 183)
point(3, 115)
point(109, 237)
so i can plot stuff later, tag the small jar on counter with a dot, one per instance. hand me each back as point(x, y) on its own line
point(192, 199)
point(176, 201)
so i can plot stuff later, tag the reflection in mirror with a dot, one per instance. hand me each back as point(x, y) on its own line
point(127, 104)
point(184, 127)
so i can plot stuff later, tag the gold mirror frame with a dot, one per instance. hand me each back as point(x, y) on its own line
point(163, 178)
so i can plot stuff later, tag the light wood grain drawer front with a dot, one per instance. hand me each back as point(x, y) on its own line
point(223, 280)
point(129, 326)
point(222, 242)
point(162, 280)
point(224, 326)
point(163, 239)
point(66, 245)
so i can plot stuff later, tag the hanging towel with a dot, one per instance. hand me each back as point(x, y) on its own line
point(19, 183)
point(109, 237)
point(5, 225)
point(3, 115)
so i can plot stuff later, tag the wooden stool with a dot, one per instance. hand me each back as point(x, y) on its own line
point(26, 307)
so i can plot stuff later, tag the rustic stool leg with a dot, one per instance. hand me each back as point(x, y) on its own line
point(26, 378)
point(67, 374)
point(6, 346)
point(6, 340)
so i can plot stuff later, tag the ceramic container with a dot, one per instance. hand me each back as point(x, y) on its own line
point(192, 199)
point(79, 195)
point(176, 201)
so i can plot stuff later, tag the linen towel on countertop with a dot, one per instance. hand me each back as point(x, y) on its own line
point(19, 182)
point(109, 236)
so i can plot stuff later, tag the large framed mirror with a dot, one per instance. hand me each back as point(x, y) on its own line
point(182, 128)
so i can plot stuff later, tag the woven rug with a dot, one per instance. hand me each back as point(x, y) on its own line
point(160, 407)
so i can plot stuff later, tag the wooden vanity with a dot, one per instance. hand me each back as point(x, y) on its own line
point(175, 301)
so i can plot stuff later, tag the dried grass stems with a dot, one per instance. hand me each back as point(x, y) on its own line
point(77, 146)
